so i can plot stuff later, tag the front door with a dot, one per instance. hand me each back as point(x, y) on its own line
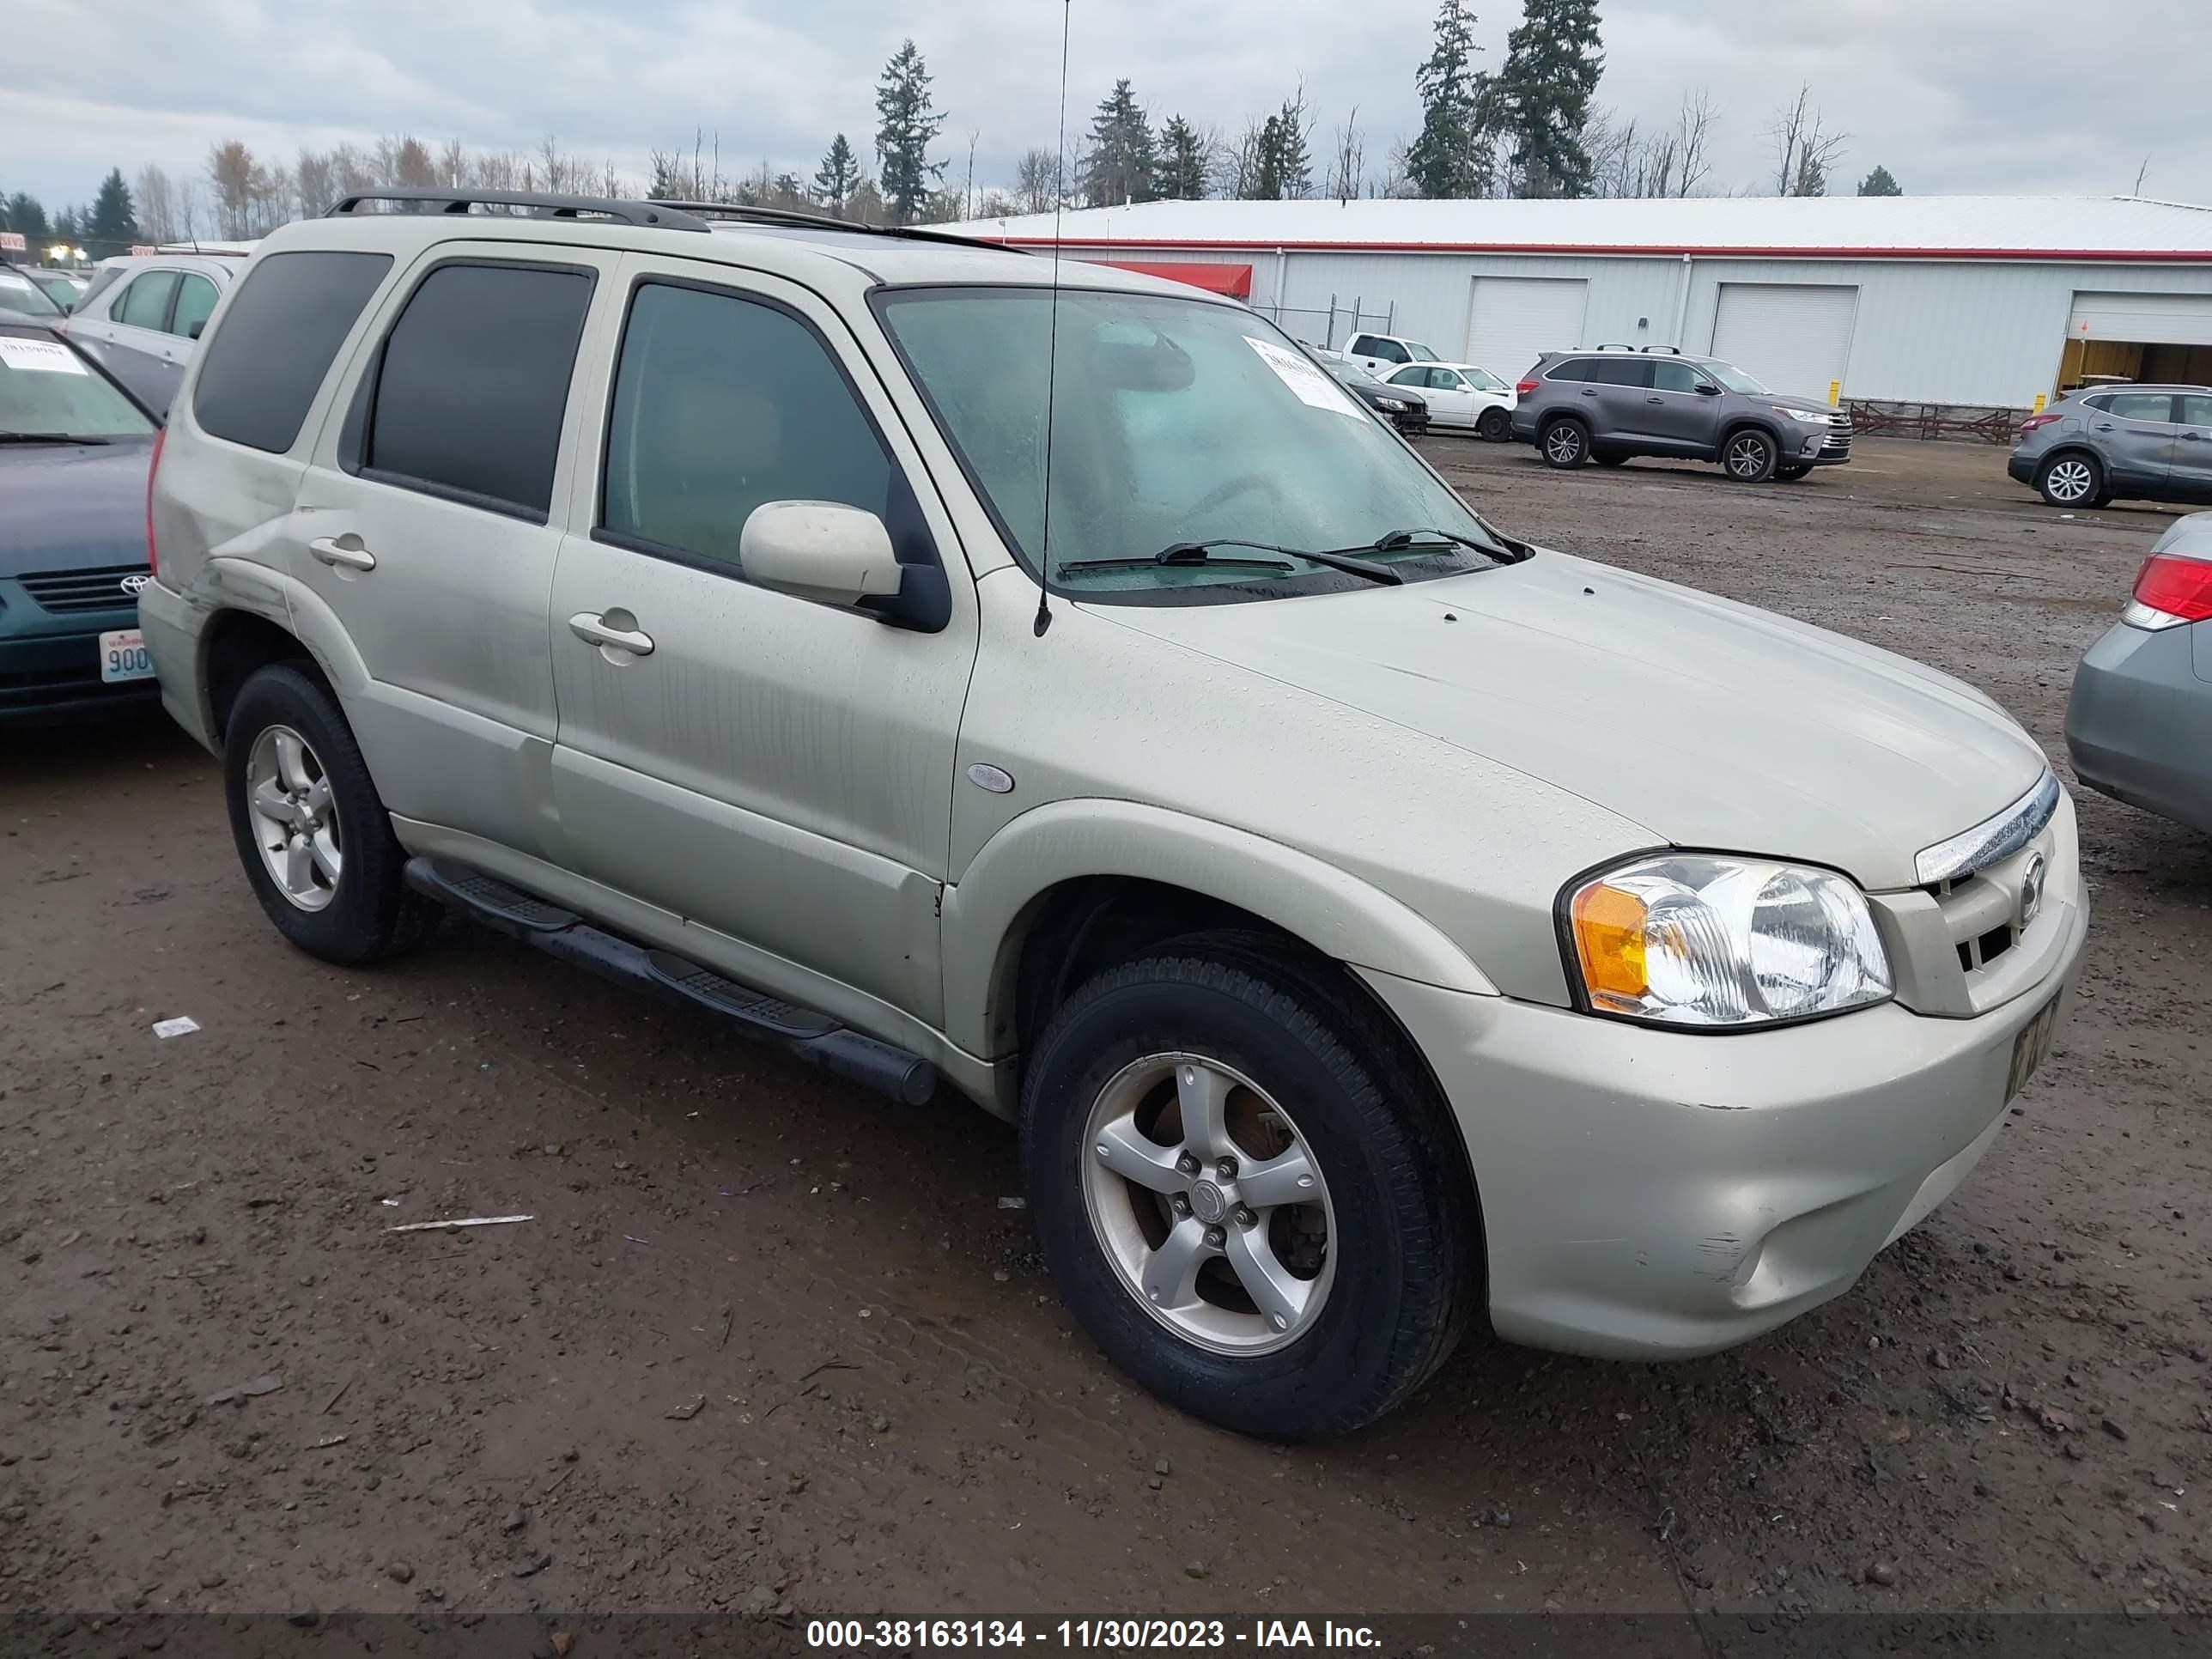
point(2135, 434)
point(1676, 414)
point(430, 522)
point(2191, 477)
point(775, 770)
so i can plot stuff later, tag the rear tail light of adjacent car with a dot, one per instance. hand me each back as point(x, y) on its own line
point(153, 467)
point(1525, 388)
point(2170, 590)
point(2035, 420)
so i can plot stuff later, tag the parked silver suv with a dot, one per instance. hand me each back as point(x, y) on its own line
point(1373, 922)
point(1613, 404)
point(2150, 443)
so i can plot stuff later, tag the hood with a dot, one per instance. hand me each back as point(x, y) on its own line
point(70, 506)
point(1713, 724)
point(1802, 405)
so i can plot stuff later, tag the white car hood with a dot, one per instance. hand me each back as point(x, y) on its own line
point(1716, 725)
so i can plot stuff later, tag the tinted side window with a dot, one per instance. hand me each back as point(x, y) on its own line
point(1413, 377)
point(261, 369)
point(475, 382)
point(145, 303)
point(1675, 377)
point(2197, 411)
point(2143, 406)
point(102, 280)
point(1623, 370)
point(1575, 368)
point(722, 403)
point(196, 298)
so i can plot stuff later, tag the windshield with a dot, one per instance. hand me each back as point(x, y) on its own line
point(1421, 353)
point(1178, 421)
point(24, 298)
point(1735, 379)
point(46, 389)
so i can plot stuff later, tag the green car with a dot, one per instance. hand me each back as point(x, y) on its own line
point(74, 451)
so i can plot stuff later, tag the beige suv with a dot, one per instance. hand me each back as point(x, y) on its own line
point(1374, 923)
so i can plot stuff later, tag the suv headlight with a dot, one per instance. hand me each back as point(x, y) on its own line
point(1687, 939)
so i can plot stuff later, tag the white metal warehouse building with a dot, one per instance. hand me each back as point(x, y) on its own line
point(1964, 302)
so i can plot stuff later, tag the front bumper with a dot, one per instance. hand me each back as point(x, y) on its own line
point(1651, 1194)
point(2139, 723)
point(50, 664)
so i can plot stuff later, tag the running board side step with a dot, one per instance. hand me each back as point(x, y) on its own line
point(906, 1078)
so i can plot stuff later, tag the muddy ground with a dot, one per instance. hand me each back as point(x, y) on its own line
point(769, 1343)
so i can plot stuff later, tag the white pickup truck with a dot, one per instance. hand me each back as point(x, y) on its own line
point(1382, 353)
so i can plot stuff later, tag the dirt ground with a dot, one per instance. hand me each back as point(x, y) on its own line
point(770, 1346)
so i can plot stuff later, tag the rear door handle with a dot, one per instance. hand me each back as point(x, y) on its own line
point(592, 628)
point(335, 554)
point(1589, 392)
point(2193, 437)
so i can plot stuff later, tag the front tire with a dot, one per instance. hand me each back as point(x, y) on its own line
point(1254, 1213)
point(1494, 427)
point(1748, 455)
point(311, 833)
point(1564, 444)
point(1792, 474)
point(2071, 480)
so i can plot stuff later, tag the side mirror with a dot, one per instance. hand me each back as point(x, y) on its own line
point(1709, 388)
point(818, 551)
point(194, 330)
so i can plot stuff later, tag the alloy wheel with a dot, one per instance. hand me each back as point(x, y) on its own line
point(1208, 1202)
point(295, 818)
point(1746, 455)
point(1564, 443)
point(2068, 480)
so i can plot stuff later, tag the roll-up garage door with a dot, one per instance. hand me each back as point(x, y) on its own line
point(1793, 337)
point(2151, 319)
point(1516, 319)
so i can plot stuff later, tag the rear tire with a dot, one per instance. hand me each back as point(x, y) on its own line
point(1495, 426)
point(1564, 444)
point(1376, 1255)
point(2071, 479)
point(313, 834)
point(1612, 460)
point(1748, 455)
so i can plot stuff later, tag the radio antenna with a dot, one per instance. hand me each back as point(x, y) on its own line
point(1052, 348)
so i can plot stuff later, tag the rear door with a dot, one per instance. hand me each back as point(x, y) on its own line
point(429, 527)
point(130, 337)
point(1619, 387)
point(2191, 477)
point(778, 771)
point(2135, 431)
point(1450, 402)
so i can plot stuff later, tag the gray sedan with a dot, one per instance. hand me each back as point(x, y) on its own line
point(2140, 724)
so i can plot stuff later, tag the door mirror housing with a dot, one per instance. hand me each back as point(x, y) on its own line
point(819, 550)
point(1709, 388)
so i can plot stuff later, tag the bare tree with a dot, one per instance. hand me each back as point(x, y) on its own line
point(453, 165)
point(1347, 173)
point(1804, 150)
point(314, 176)
point(1626, 163)
point(193, 211)
point(155, 199)
point(230, 170)
point(1037, 185)
point(355, 171)
point(1243, 158)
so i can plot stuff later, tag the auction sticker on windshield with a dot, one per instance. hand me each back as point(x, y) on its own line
point(1307, 382)
point(40, 357)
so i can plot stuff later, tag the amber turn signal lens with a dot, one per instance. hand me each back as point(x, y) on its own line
point(1608, 928)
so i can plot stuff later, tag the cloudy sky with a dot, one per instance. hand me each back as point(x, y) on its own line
point(1951, 96)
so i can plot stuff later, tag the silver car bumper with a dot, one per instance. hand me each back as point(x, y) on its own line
point(1648, 1195)
point(2139, 726)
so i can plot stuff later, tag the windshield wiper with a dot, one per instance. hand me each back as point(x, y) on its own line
point(1202, 553)
point(1397, 541)
point(48, 438)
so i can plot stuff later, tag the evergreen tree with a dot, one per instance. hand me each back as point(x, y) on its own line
point(907, 122)
point(26, 214)
point(113, 219)
point(1551, 66)
point(1285, 159)
point(1879, 183)
point(838, 176)
point(1450, 156)
point(1119, 166)
point(65, 225)
point(1179, 170)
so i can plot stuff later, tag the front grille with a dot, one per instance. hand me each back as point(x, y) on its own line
point(1838, 441)
point(65, 590)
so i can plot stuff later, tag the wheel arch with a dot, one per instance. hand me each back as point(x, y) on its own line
point(1039, 876)
point(234, 644)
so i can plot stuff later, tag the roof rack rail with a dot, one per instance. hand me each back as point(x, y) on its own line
point(657, 215)
point(1672, 351)
point(1616, 345)
point(800, 218)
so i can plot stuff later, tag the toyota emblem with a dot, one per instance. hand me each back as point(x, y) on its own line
point(2031, 889)
point(134, 586)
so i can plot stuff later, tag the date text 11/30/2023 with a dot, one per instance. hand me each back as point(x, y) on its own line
point(895, 1635)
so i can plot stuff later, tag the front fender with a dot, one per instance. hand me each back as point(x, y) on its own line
point(1334, 912)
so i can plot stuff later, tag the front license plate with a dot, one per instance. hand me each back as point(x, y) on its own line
point(123, 656)
point(2032, 1047)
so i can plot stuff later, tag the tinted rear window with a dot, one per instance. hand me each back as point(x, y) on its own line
point(263, 367)
point(475, 383)
point(1623, 370)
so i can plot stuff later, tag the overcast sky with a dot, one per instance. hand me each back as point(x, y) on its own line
point(1951, 96)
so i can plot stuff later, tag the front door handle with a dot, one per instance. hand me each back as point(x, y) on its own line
point(1589, 392)
point(1655, 399)
point(335, 553)
point(592, 628)
point(2193, 437)
point(2104, 426)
